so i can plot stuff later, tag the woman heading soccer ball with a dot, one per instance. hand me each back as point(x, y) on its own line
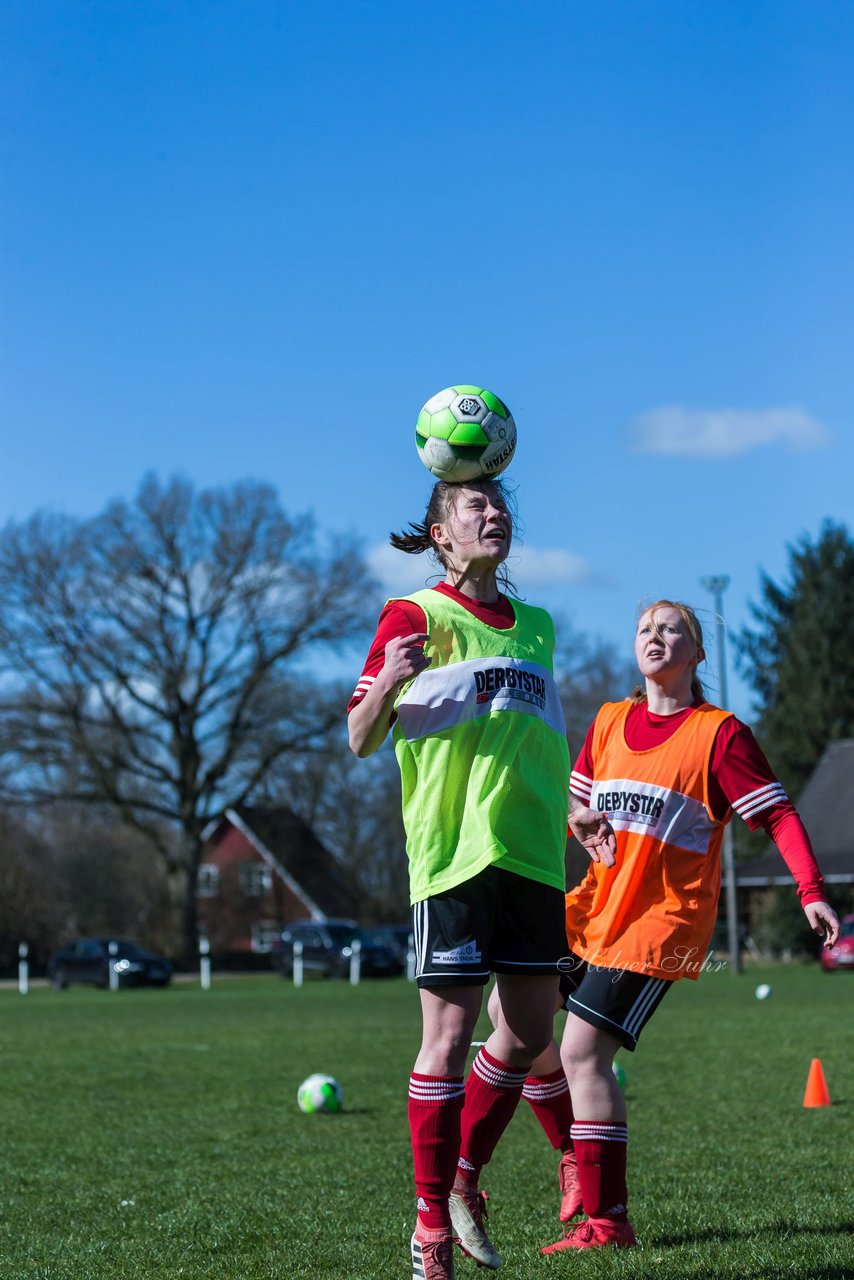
point(463, 673)
point(669, 769)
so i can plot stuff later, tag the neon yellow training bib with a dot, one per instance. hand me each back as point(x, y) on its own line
point(481, 744)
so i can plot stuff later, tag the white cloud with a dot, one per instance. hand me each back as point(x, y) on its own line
point(725, 433)
point(547, 567)
point(529, 567)
point(400, 573)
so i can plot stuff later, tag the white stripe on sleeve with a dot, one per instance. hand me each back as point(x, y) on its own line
point(763, 798)
point(580, 785)
point(363, 686)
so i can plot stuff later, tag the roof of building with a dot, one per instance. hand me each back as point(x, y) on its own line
point(290, 846)
point(825, 806)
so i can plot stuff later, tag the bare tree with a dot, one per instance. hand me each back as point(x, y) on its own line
point(66, 871)
point(27, 913)
point(153, 657)
point(354, 807)
point(589, 671)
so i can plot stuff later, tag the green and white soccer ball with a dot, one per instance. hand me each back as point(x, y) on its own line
point(320, 1093)
point(465, 433)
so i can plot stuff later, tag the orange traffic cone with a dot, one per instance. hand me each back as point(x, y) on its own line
point(816, 1093)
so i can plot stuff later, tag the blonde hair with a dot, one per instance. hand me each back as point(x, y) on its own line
point(695, 630)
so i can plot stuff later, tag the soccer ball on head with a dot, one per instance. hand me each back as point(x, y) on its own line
point(465, 433)
point(320, 1093)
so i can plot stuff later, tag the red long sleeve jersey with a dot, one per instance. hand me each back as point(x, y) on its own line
point(740, 778)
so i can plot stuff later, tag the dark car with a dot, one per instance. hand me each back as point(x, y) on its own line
point(89, 960)
point(840, 956)
point(396, 936)
point(327, 948)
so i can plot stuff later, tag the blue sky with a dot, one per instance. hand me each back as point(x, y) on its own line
point(251, 239)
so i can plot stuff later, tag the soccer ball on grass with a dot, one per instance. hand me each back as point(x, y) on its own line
point(320, 1093)
point(465, 433)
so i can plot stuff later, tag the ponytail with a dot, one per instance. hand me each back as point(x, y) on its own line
point(415, 538)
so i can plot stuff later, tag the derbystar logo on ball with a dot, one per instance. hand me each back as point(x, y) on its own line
point(465, 433)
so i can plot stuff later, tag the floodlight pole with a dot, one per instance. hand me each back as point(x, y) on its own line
point(717, 585)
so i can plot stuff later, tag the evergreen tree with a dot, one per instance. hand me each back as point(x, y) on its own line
point(800, 656)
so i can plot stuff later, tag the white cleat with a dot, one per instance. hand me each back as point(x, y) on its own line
point(468, 1210)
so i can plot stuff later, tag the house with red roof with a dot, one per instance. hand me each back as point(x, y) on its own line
point(261, 868)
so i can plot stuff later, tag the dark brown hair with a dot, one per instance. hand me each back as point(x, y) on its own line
point(416, 537)
point(695, 630)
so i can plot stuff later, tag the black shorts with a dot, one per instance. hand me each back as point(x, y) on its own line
point(616, 1000)
point(497, 922)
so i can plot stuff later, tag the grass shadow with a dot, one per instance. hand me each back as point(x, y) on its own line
point(721, 1235)
point(808, 1272)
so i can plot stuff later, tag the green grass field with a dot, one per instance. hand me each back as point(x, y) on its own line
point(156, 1134)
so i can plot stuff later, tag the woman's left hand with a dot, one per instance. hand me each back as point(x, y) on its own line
point(823, 921)
point(593, 830)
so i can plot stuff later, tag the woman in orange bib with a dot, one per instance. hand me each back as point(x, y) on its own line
point(669, 770)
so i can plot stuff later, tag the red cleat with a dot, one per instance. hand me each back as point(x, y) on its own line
point(594, 1233)
point(432, 1259)
point(570, 1190)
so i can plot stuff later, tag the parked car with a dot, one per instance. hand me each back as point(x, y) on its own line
point(840, 956)
point(327, 948)
point(89, 959)
point(395, 936)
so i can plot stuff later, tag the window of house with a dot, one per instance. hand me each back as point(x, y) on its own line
point(207, 880)
point(264, 934)
point(256, 879)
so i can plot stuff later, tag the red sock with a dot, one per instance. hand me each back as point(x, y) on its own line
point(600, 1150)
point(551, 1104)
point(493, 1090)
point(435, 1103)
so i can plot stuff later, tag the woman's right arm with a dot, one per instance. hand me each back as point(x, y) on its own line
point(395, 656)
point(370, 719)
point(591, 828)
